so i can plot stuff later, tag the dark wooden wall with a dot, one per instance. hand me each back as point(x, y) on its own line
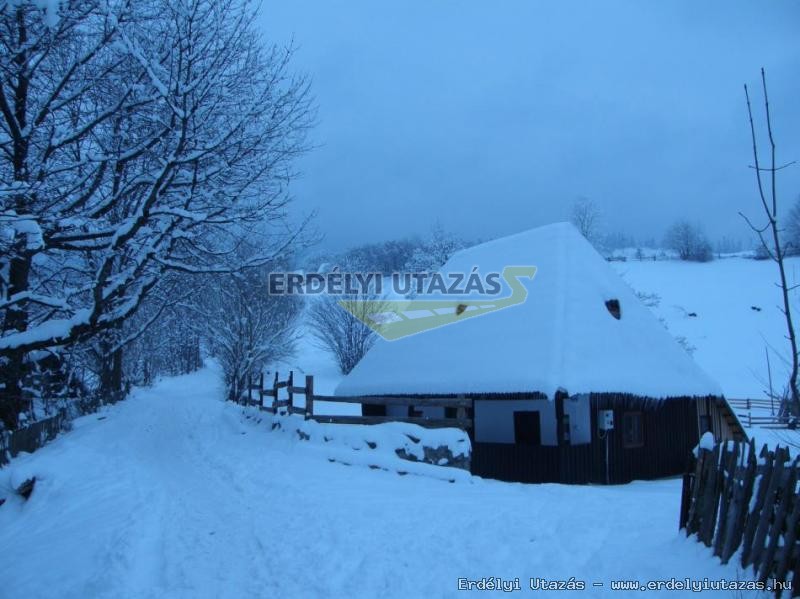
point(669, 434)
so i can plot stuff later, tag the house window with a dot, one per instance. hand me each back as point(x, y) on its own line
point(527, 428)
point(632, 429)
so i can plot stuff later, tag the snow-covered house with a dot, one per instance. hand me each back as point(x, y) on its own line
point(545, 376)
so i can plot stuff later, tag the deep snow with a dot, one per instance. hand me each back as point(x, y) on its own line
point(736, 306)
point(174, 493)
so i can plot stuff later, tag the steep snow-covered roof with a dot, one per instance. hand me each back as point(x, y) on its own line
point(562, 336)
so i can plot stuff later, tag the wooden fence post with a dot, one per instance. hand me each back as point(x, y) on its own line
point(710, 498)
point(757, 548)
point(686, 498)
point(752, 516)
point(728, 482)
point(261, 390)
point(790, 538)
point(275, 394)
point(737, 512)
point(289, 391)
point(785, 492)
point(309, 396)
point(249, 388)
point(694, 501)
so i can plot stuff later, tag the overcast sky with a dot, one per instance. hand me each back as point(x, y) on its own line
point(493, 117)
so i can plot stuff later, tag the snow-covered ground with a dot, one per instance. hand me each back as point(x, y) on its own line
point(728, 310)
point(174, 493)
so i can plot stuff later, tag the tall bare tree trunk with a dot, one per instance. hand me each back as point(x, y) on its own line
point(791, 402)
point(12, 370)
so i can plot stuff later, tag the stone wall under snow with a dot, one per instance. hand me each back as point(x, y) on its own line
point(398, 446)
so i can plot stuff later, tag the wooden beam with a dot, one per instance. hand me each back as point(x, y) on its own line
point(289, 391)
point(309, 392)
point(448, 402)
point(462, 423)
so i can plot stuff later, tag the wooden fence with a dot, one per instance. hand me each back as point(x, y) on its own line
point(31, 437)
point(766, 413)
point(268, 396)
point(38, 433)
point(735, 499)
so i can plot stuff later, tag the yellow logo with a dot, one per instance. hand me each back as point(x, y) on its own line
point(395, 319)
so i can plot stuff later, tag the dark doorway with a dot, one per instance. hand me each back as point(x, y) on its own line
point(372, 410)
point(527, 428)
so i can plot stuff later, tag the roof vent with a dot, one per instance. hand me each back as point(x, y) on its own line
point(614, 308)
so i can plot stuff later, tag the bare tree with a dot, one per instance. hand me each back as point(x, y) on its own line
point(769, 235)
point(689, 242)
point(586, 217)
point(342, 332)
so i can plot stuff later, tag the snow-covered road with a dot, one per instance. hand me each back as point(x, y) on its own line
point(173, 493)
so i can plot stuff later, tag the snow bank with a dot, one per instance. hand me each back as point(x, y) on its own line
point(442, 453)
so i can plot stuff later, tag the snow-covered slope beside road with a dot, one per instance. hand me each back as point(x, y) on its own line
point(728, 310)
point(173, 493)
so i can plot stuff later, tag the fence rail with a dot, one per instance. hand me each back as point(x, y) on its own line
point(269, 398)
point(734, 499)
point(748, 403)
point(744, 410)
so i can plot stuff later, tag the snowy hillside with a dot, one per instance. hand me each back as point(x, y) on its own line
point(173, 493)
point(727, 310)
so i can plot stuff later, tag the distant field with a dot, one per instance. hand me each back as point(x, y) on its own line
point(736, 315)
